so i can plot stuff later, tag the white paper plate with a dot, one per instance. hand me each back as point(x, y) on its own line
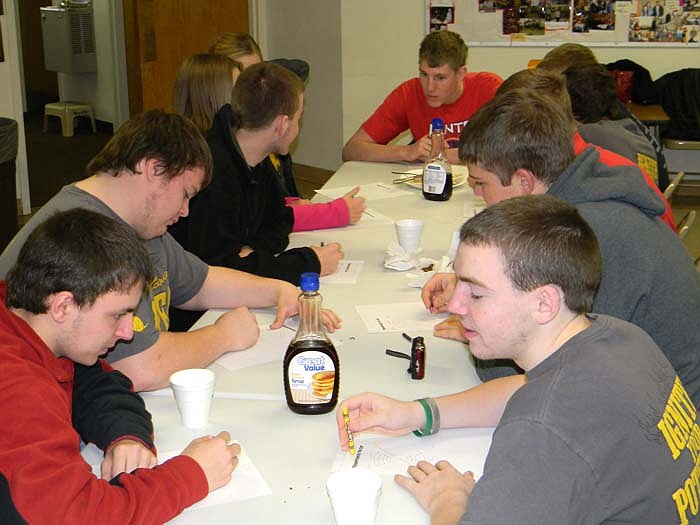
point(459, 176)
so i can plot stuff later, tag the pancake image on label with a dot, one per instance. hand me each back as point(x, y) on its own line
point(322, 383)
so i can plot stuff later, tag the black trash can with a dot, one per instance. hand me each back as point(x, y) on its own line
point(8, 189)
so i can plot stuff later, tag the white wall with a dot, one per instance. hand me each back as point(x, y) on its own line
point(380, 40)
point(507, 60)
point(11, 100)
point(310, 30)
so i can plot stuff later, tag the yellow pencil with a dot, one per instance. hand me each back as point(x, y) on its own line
point(346, 418)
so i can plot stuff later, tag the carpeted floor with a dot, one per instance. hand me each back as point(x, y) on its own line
point(54, 160)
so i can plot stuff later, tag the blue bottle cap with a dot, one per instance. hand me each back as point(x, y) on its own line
point(309, 282)
point(437, 124)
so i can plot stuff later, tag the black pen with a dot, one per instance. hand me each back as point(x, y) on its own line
point(407, 337)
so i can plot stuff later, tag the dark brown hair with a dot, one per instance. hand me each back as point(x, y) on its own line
point(78, 251)
point(171, 139)
point(593, 93)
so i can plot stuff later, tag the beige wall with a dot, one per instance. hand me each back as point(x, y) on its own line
point(310, 30)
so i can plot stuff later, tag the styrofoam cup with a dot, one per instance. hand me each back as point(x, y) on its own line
point(408, 232)
point(354, 495)
point(193, 389)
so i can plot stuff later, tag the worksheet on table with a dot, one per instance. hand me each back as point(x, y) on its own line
point(398, 317)
point(372, 191)
point(246, 482)
point(346, 273)
point(465, 449)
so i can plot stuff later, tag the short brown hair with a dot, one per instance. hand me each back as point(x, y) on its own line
point(547, 83)
point(171, 139)
point(567, 55)
point(441, 48)
point(264, 91)
point(236, 45)
point(203, 85)
point(519, 129)
point(543, 240)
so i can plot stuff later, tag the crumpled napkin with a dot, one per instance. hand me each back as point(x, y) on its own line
point(427, 268)
point(397, 258)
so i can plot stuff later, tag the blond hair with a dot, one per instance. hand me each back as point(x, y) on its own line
point(236, 45)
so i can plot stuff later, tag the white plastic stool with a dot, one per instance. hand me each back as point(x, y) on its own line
point(67, 111)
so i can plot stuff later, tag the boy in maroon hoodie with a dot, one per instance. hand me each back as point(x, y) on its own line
point(69, 298)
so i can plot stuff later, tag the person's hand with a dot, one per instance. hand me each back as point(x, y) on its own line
point(126, 455)
point(438, 291)
point(450, 328)
point(242, 328)
point(216, 458)
point(380, 414)
point(440, 489)
point(287, 303)
point(419, 151)
point(329, 256)
point(245, 251)
point(330, 320)
point(356, 205)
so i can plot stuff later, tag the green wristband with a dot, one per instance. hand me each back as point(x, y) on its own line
point(432, 418)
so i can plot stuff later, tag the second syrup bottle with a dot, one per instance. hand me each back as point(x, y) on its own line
point(437, 172)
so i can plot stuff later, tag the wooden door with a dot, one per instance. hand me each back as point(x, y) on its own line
point(159, 34)
point(41, 86)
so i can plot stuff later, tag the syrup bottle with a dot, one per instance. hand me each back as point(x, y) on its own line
point(311, 365)
point(437, 172)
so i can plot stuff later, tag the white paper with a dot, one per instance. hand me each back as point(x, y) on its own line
point(370, 218)
point(371, 192)
point(270, 347)
point(398, 317)
point(246, 481)
point(465, 449)
point(346, 273)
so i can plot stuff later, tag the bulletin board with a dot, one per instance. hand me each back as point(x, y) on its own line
point(551, 22)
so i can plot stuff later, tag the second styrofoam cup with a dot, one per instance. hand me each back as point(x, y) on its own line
point(354, 496)
point(408, 232)
point(193, 389)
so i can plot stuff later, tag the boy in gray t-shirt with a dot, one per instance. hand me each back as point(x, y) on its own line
point(599, 430)
point(145, 176)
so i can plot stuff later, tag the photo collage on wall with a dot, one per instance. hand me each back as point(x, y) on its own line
point(530, 17)
point(442, 14)
point(665, 21)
